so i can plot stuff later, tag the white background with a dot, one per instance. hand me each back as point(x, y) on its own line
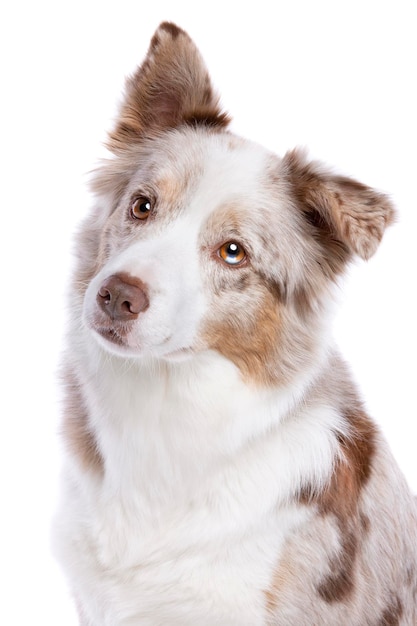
point(339, 78)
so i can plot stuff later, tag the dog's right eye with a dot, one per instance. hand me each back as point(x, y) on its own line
point(140, 208)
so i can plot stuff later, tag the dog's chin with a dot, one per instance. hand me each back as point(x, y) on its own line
point(114, 343)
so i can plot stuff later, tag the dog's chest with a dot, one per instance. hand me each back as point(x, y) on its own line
point(184, 526)
point(187, 564)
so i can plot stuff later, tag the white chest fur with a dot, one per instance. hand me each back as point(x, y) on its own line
point(186, 523)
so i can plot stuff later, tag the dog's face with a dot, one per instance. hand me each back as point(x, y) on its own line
point(204, 241)
point(188, 258)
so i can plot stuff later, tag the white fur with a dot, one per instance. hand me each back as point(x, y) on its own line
point(191, 492)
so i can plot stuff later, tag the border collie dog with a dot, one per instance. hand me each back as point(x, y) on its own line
point(220, 468)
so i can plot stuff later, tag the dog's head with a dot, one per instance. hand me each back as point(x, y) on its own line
point(203, 241)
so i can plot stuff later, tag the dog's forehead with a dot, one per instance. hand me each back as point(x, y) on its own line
point(204, 171)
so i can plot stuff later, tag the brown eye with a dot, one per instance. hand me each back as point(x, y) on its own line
point(141, 208)
point(232, 253)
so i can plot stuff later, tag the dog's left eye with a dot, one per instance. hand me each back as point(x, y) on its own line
point(232, 253)
point(140, 208)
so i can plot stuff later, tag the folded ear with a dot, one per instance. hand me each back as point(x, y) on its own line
point(172, 87)
point(348, 211)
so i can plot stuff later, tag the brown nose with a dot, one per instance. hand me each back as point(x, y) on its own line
point(122, 297)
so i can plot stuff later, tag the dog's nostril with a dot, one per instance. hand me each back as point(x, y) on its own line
point(105, 295)
point(122, 297)
point(129, 307)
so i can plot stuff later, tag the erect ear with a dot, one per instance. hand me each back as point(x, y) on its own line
point(172, 87)
point(348, 211)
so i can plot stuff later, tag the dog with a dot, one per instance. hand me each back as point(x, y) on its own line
point(219, 466)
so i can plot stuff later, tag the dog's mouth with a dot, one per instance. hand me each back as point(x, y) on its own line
point(118, 338)
point(115, 341)
point(116, 335)
point(110, 334)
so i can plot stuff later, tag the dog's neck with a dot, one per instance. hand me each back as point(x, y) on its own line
point(177, 423)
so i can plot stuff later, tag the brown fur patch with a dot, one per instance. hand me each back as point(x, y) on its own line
point(338, 585)
point(337, 504)
point(353, 471)
point(206, 117)
point(172, 29)
point(349, 215)
point(392, 614)
point(77, 433)
point(171, 88)
point(341, 500)
point(254, 328)
point(248, 343)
